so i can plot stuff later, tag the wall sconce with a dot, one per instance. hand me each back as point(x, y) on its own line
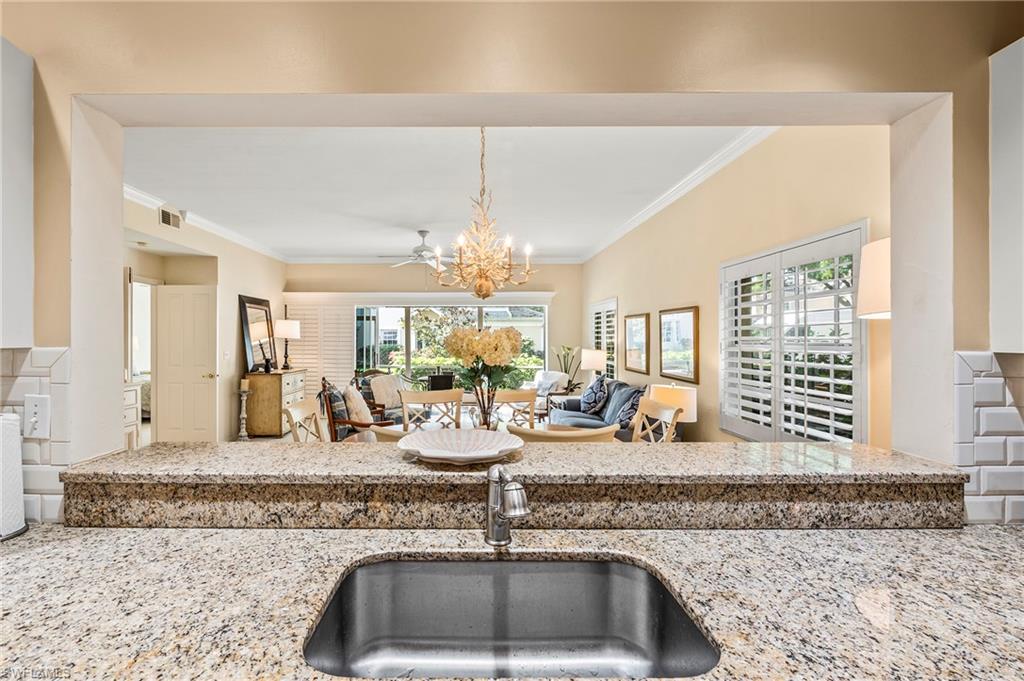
point(874, 292)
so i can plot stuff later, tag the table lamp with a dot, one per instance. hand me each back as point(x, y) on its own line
point(677, 397)
point(592, 360)
point(288, 329)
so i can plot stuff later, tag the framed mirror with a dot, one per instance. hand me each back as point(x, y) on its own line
point(679, 333)
point(257, 333)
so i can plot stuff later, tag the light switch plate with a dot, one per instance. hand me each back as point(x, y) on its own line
point(36, 421)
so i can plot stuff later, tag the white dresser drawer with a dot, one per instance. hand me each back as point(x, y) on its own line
point(130, 416)
point(131, 397)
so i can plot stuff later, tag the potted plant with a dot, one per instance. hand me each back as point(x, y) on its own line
point(569, 364)
point(486, 356)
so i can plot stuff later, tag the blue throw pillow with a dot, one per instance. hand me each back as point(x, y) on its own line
point(594, 397)
point(628, 411)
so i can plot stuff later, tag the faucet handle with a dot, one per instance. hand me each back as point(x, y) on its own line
point(513, 501)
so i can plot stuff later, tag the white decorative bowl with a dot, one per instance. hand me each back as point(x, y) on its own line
point(460, 446)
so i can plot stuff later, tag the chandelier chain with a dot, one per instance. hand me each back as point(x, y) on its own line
point(483, 168)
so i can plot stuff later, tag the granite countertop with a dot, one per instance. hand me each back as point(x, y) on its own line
point(238, 604)
point(612, 463)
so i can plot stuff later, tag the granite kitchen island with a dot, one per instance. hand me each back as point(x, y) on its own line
point(102, 603)
point(571, 486)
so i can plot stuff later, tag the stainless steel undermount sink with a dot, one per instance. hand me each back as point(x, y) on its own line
point(506, 618)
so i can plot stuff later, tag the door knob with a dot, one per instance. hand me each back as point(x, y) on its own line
point(210, 375)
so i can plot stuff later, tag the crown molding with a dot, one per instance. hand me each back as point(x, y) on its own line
point(142, 198)
point(199, 222)
point(416, 298)
point(723, 157)
point(321, 260)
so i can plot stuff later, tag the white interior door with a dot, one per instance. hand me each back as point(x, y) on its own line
point(185, 408)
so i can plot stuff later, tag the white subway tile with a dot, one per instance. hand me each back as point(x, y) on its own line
point(52, 508)
point(972, 486)
point(962, 373)
point(1015, 450)
point(13, 390)
point(963, 455)
point(44, 451)
point(33, 508)
point(42, 479)
point(44, 358)
point(1015, 509)
point(60, 453)
point(60, 412)
point(989, 392)
point(6, 362)
point(963, 413)
point(30, 451)
point(1002, 480)
point(979, 362)
point(60, 372)
point(999, 420)
point(989, 450)
point(984, 509)
point(22, 364)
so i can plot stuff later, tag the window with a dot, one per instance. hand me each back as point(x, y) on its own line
point(383, 334)
point(602, 330)
point(791, 360)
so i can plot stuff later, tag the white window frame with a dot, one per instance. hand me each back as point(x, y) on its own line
point(826, 244)
point(603, 308)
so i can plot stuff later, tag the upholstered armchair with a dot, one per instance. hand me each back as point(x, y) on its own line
point(548, 384)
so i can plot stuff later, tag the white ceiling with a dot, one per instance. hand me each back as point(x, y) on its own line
point(350, 194)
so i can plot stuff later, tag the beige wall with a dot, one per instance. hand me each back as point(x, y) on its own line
point(143, 263)
point(235, 270)
point(564, 317)
point(509, 47)
point(798, 182)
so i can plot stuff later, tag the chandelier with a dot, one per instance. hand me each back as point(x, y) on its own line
point(482, 261)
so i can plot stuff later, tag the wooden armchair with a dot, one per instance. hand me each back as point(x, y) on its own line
point(377, 412)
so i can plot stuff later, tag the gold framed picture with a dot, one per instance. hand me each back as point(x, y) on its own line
point(638, 342)
point(679, 337)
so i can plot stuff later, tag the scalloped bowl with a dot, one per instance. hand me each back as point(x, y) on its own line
point(460, 446)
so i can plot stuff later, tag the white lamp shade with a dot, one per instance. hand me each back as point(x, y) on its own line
point(591, 360)
point(874, 299)
point(287, 328)
point(677, 397)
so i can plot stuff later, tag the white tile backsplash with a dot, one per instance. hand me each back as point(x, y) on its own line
point(996, 420)
point(40, 371)
point(989, 392)
point(963, 413)
point(1015, 509)
point(984, 509)
point(989, 436)
point(1002, 480)
point(989, 450)
point(1015, 451)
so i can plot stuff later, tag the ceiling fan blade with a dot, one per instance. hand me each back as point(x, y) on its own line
point(404, 262)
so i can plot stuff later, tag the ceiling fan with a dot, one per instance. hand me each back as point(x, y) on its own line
point(422, 254)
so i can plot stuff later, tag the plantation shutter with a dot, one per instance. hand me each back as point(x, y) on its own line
point(746, 384)
point(603, 326)
point(326, 348)
point(820, 341)
point(790, 343)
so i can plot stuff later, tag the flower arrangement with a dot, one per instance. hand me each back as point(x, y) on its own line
point(486, 356)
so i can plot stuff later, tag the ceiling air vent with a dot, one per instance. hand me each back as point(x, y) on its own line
point(169, 216)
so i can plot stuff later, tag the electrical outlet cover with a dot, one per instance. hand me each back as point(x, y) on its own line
point(36, 421)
